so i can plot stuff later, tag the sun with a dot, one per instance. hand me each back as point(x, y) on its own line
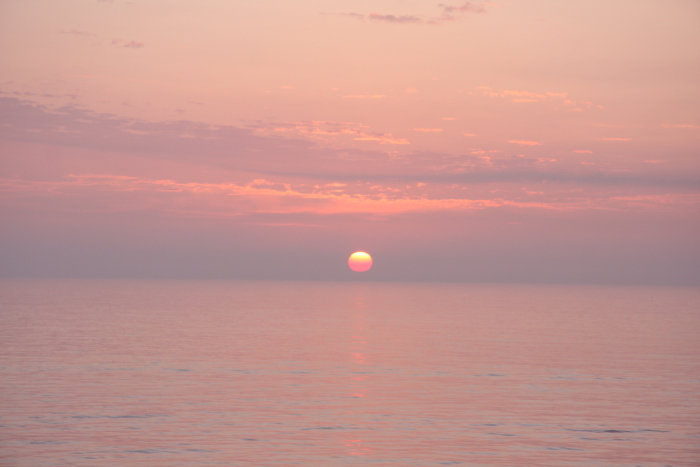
point(360, 261)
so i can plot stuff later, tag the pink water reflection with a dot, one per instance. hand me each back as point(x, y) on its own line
point(198, 373)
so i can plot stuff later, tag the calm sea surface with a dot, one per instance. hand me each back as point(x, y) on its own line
point(147, 373)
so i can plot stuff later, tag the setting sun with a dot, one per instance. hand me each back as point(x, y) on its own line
point(360, 261)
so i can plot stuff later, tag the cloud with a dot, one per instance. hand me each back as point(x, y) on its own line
point(261, 195)
point(364, 96)
point(558, 98)
point(616, 139)
point(232, 199)
point(583, 151)
point(466, 7)
point(449, 13)
point(33, 94)
point(295, 163)
point(382, 139)
point(681, 126)
point(394, 19)
point(524, 142)
point(353, 15)
point(77, 33)
point(391, 19)
point(134, 45)
point(428, 130)
point(130, 44)
point(319, 130)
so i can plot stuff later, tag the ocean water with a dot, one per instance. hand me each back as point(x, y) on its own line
point(179, 373)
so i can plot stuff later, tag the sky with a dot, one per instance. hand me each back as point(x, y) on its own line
point(534, 141)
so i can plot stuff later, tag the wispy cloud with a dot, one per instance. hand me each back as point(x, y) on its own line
point(130, 44)
point(681, 126)
point(319, 130)
point(291, 171)
point(134, 45)
point(449, 13)
point(466, 7)
point(77, 33)
point(559, 98)
point(428, 130)
point(390, 19)
point(394, 19)
point(34, 94)
point(352, 15)
point(365, 96)
point(524, 142)
point(261, 195)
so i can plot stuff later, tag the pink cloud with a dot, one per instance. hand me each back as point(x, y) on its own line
point(391, 19)
point(134, 45)
point(77, 33)
point(428, 130)
point(583, 151)
point(353, 15)
point(522, 94)
point(363, 96)
point(130, 44)
point(322, 129)
point(559, 98)
point(394, 19)
point(616, 139)
point(466, 7)
point(298, 169)
point(235, 199)
point(261, 195)
point(448, 14)
point(524, 142)
point(681, 126)
point(382, 139)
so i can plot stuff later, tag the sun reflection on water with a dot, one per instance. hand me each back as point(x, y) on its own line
point(358, 358)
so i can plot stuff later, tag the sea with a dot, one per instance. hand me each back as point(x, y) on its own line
point(234, 373)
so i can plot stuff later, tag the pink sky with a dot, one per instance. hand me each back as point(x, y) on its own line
point(524, 140)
